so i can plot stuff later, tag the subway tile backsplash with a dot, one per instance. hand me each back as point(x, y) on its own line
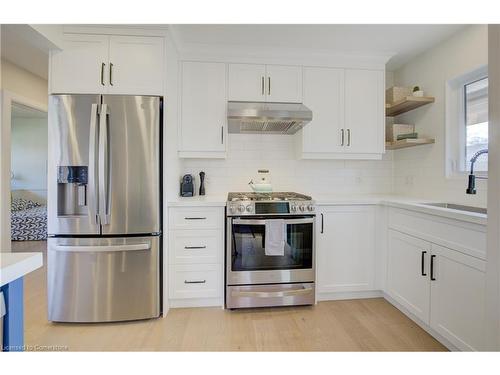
point(248, 153)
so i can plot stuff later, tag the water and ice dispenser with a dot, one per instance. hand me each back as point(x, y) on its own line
point(72, 190)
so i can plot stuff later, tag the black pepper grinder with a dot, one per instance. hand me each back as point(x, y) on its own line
point(202, 183)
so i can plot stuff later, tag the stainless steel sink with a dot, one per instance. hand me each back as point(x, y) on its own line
point(459, 207)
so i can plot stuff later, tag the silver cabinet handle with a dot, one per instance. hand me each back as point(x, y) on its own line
point(102, 73)
point(268, 85)
point(341, 137)
point(222, 134)
point(111, 74)
point(286, 293)
point(93, 182)
point(194, 247)
point(101, 249)
point(195, 281)
point(348, 137)
point(263, 84)
point(195, 218)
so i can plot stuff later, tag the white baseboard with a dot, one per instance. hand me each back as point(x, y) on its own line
point(334, 296)
point(196, 302)
point(422, 325)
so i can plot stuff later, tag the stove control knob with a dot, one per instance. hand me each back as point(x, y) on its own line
point(293, 208)
point(232, 209)
point(310, 207)
point(302, 208)
point(249, 208)
point(241, 208)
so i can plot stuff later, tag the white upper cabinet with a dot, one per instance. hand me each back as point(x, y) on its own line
point(261, 83)
point(284, 83)
point(247, 82)
point(203, 110)
point(345, 250)
point(364, 111)
point(103, 64)
point(324, 96)
point(135, 65)
point(348, 114)
point(81, 67)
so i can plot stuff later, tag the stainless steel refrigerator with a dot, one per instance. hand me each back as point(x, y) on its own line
point(104, 208)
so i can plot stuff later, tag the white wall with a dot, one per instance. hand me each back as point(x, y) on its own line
point(21, 82)
point(420, 171)
point(248, 153)
point(29, 158)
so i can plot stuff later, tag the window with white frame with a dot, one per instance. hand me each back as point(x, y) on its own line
point(476, 122)
point(467, 122)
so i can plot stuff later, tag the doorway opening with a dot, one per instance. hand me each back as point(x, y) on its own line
point(28, 178)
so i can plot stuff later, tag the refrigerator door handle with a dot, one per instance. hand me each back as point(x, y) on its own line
point(93, 181)
point(102, 249)
point(104, 167)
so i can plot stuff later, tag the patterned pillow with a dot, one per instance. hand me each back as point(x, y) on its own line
point(19, 204)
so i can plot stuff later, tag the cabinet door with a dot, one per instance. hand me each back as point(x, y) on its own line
point(247, 82)
point(408, 273)
point(364, 111)
point(203, 107)
point(458, 298)
point(324, 95)
point(80, 68)
point(284, 84)
point(135, 65)
point(346, 249)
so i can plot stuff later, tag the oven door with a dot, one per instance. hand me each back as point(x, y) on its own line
point(246, 259)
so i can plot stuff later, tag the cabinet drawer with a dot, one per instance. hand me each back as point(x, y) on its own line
point(196, 218)
point(196, 246)
point(196, 281)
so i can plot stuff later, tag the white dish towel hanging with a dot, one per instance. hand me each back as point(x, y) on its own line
point(275, 237)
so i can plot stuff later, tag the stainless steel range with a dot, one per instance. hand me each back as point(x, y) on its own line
point(257, 276)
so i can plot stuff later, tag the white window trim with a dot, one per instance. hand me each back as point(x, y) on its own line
point(455, 122)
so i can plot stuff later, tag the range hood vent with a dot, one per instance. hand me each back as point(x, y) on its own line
point(269, 118)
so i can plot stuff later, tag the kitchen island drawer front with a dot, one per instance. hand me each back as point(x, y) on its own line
point(196, 281)
point(196, 218)
point(194, 247)
point(467, 238)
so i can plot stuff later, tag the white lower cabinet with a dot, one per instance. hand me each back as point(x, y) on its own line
point(408, 273)
point(345, 250)
point(195, 256)
point(458, 298)
point(443, 288)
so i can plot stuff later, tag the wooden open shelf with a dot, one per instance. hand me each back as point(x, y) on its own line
point(404, 143)
point(407, 104)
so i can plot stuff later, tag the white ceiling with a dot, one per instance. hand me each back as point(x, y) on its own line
point(19, 48)
point(21, 111)
point(404, 41)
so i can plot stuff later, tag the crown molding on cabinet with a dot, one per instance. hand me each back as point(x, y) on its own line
point(133, 30)
point(281, 56)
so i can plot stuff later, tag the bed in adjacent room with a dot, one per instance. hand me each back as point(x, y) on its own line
point(28, 220)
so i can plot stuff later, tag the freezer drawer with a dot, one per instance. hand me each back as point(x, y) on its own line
point(103, 279)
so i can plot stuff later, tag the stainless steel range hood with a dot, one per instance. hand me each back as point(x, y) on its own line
point(269, 118)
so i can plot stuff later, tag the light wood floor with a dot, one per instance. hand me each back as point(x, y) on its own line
point(352, 325)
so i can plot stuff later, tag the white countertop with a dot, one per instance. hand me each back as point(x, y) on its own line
point(16, 265)
point(409, 203)
point(199, 200)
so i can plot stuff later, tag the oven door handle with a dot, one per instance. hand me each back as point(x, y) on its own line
point(263, 222)
point(285, 293)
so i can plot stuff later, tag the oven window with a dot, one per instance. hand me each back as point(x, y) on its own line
point(248, 253)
